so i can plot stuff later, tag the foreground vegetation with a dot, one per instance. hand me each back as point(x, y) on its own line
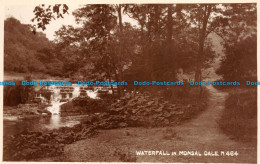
point(139, 110)
point(200, 133)
point(239, 119)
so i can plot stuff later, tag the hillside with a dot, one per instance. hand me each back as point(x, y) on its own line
point(25, 52)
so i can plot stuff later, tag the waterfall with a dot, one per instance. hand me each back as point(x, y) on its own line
point(55, 100)
point(56, 96)
point(76, 91)
point(92, 94)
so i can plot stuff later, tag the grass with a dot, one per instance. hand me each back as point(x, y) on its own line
point(169, 134)
point(125, 156)
point(239, 118)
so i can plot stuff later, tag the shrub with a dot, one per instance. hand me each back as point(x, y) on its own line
point(239, 119)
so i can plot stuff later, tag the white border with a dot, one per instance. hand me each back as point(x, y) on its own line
point(36, 2)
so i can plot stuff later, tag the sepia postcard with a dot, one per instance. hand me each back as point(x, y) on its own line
point(129, 81)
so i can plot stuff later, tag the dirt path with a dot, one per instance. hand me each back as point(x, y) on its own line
point(199, 134)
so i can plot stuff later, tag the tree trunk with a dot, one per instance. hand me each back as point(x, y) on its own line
point(120, 66)
point(170, 56)
point(202, 35)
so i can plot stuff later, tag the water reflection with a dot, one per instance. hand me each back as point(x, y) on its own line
point(54, 121)
point(17, 125)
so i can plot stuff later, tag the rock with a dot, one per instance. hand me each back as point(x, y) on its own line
point(122, 124)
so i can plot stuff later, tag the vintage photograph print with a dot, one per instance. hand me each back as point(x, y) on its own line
point(130, 83)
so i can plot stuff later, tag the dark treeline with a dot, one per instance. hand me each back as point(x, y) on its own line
point(168, 37)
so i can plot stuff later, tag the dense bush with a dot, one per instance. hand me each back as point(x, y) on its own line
point(84, 105)
point(240, 61)
point(239, 119)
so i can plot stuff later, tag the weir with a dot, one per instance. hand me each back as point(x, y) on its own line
point(55, 96)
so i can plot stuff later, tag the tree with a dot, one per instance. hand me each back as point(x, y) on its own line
point(44, 14)
point(240, 43)
point(169, 36)
point(23, 50)
point(100, 34)
point(240, 61)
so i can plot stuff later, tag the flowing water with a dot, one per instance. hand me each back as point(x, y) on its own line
point(59, 96)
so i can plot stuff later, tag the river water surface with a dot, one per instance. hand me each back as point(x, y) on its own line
point(14, 125)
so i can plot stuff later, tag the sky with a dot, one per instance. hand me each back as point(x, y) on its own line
point(24, 13)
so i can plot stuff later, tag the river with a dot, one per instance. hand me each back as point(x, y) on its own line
point(16, 124)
